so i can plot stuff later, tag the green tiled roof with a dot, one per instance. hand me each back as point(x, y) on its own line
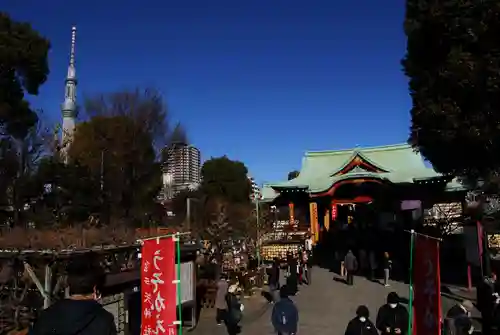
point(399, 163)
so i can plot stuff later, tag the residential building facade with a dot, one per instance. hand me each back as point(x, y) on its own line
point(181, 169)
point(255, 188)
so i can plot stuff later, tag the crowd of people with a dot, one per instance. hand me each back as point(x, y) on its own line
point(392, 317)
point(285, 315)
point(367, 266)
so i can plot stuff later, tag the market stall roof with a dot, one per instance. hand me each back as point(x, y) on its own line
point(393, 163)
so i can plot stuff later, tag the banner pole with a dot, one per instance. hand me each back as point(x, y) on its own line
point(179, 292)
point(140, 240)
point(410, 297)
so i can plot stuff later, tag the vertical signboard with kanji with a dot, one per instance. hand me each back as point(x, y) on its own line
point(334, 211)
point(313, 212)
point(326, 221)
point(291, 209)
point(159, 287)
point(427, 287)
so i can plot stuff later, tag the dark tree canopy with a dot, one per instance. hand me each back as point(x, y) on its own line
point(146, 107)
point(453, 65)
point(23, 69)
point(68, 193)
point(293, 174)
point(119, 151)
point(123, 140)
point(226, 178)
point(19, 161)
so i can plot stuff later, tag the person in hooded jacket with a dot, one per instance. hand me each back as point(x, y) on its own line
point(285, 315)
point(361, 324)
point(392, 318)
point(81, 313)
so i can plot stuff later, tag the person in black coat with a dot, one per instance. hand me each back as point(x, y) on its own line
point(392, 318)
point(81, 313)
point(461, 310)
point(285, 315)
point(361, 324)
point(292, 280)
point(372, 259)
point(351, 266)
point(387, 262)
point(486, 303)
point(234, 312)
point(274, 280)
point(463, 326)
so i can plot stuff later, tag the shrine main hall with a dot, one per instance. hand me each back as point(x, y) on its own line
point(370, 186)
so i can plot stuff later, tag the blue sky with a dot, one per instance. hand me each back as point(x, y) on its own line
point(260, 81)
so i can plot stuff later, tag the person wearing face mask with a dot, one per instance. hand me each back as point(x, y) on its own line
point(361, 324)
point(80, 313)
point(392, 318)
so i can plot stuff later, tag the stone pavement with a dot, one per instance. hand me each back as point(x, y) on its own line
point(325, 307)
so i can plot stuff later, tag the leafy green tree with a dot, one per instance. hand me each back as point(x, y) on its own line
point(23, 69)
point(453, 62)
point(293, 174)
point(226, 178)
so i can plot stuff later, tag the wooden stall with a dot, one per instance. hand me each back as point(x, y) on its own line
point(33, 280)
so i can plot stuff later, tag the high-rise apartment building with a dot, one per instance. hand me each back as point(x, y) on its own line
point(255, 188)
point(181, 169)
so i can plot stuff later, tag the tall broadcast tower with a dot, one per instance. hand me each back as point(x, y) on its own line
point(68, 107)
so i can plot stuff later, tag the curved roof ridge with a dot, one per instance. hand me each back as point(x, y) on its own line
point(361, 149)
point(363, 156)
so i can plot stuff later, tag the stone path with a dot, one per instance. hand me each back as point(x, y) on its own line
point(325, 307)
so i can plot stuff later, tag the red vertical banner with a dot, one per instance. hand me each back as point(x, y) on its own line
point(291, 208)
point(158, 287)
point(334, 211)
point(427, 286)
point(480, 243)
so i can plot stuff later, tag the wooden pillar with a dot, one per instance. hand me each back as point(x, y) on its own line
point(48, 287)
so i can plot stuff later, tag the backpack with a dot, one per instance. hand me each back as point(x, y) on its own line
point(283, 319)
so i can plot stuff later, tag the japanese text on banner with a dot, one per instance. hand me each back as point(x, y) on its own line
point(158, 288)
point(427, 286)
